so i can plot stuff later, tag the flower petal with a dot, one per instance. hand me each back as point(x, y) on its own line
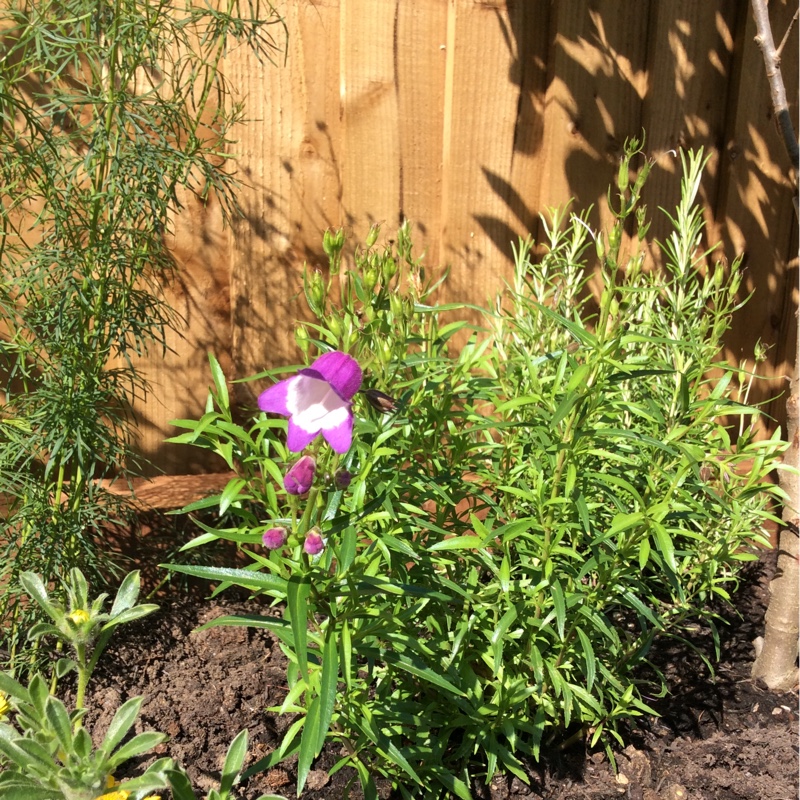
point(314, 404)
point(274, 399)
point(298, 438)
point(340, 370)
point(340, 436)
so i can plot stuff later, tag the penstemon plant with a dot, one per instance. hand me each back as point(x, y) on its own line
point(474, 551)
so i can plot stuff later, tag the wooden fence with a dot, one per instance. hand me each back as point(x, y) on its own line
point(470, 118)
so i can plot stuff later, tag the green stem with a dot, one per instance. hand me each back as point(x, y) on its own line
point(83, 680)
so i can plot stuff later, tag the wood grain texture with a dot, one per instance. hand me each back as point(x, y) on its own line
point(755, 212)
point(470, 118)
point(481, 102)
point(287, 157)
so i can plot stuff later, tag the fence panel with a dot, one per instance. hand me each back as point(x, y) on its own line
point(472, 117)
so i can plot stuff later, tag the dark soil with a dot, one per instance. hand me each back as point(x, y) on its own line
point(720, 737)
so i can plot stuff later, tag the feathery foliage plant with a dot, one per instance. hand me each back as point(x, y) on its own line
point(110, 110)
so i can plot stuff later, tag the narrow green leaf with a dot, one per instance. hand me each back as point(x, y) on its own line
point(280, 627)
point(452, 783)
point(297, 593)
point(127, 594)
point(136, 746)
point(234, 760)
point(560, 607)
point(644, 553)
point(35, 589)
point(240, 577)
point(664, 544)
point(231, 493)
point(469, 542)
point(320, 712)
point(328, 684)
point(588, 658)
point(416, 667)
point(58, 721)
point(180, 785)
point(220, 384)
point(498, 636)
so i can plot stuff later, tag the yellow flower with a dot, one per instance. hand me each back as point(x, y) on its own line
point(110, 781)
point(78, 616)
point(5, 706)
point(152, 797)
point(119, 794)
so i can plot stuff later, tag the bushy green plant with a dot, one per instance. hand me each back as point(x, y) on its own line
point(110, 111)
point(484, 571)
point(48, 752)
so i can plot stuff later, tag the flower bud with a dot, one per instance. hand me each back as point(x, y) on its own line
point(379, 400)
point(300, 477)
point(78, 616)
point(315, 292)
point(388, 268)
point(372, 236)
point(314, 544)
point(370, 277)
point(396, 306)
point(332, 243)
point(301, 339)
point(600, 246)
point(342, 479)
point(335, 326)
point(274, 538)
point(623, 175)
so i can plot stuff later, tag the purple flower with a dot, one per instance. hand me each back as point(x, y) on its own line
point(314, 544)
point(274, 538)
point(299, 478)
point(317, 400)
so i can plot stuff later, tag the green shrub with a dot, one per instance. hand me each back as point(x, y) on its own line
point(523, 517)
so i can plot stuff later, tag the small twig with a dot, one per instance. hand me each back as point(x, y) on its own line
point(777, 89)
point(779, 51)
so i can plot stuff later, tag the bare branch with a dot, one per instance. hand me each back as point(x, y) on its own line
point(776, 87)
point(788, 31)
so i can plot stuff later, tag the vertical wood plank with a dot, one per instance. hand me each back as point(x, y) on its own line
point(530, 28)
point(178, 381)
point(690, 64)
point(594, 100)
point(421, 57)
point(370, 130)
point(480, 118)
point(288, 157)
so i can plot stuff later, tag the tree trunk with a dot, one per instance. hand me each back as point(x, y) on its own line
point(776, 663)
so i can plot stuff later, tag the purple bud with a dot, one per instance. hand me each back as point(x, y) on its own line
point(342, 478)
point(274, 538)
point(314, 544)
point(300, 477)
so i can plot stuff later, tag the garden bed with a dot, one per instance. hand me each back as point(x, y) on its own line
point(718, 738)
